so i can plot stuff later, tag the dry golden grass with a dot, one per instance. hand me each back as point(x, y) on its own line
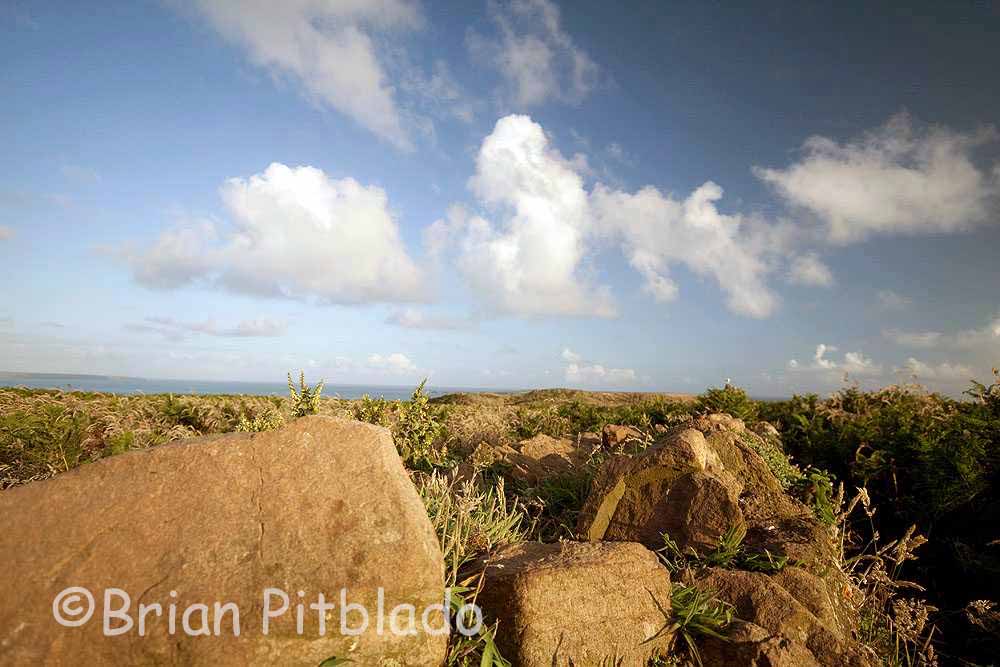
point(43, 433)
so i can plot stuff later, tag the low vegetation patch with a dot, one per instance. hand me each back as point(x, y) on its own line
point(730, 553)
point(698, 613)
point(470, 521)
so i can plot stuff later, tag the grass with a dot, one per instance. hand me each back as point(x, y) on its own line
point(470, 521)
point(555, 503)
point(729, 554)
point(698, 613)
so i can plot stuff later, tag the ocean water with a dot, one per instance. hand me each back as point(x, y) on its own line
point(129, 385)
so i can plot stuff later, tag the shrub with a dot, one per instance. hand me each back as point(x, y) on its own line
point(926, 460)
point(580, 416)
point(773, 455)
point(729, 399)
point(305, 400)
point(373, 410)
point(265, 421)
point(416, 430)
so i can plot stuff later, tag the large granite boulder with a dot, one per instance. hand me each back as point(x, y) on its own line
point(319, 506)
point(578, 603)
point(793, 607)
point(678, 486)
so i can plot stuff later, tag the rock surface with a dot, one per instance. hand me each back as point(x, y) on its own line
point(578, 603)
point(615, 437)
point(678, 486)
point(319, 505)
point(752, 645)
point(762, 601)
point(536, 458)
point(713, 474)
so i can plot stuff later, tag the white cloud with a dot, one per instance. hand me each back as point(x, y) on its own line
point(396, 363)
point(818, 358)
point(810, 270)
point(596, 374)
point(657, 230)
point(539, 262)
point(326, 46)
point(570, 356)
point(411, 318)
point(296, 233)
point(856, 363)
point(889, 300)
point(852, 364)
point(178, 257)
point(986, 337)
point(535, 56)
point(895, 179)
point(944, 371)
point(579, 371)
point(533, 264)
point(6, 233)
point(175, 330)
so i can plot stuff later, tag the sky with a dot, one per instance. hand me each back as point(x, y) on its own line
point(517, 194)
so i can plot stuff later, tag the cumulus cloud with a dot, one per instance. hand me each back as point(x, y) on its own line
point(535, 56)
point(889, 300)
point(897, 179)
point(6, 233)
point(328, 47)
point(943, 371)
point(395, 363)
point(411, 318)
point(987, 337)
point(533, 263)
point(176, 258)
point(295, 233)
point(596, 374)
point(810, 270)
point(581, 372)
point(852, 363)
point(571, 356)
point(657, 231)
point(538, 261)
point(175, 330)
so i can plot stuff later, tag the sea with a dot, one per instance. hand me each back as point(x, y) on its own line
point(130, 385)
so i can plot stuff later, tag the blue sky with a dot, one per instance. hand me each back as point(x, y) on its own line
point(492, 194)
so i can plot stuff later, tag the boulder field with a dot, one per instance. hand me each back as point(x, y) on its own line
point(324, 505)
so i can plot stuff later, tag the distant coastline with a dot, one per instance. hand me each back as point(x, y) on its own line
point(114, 384)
